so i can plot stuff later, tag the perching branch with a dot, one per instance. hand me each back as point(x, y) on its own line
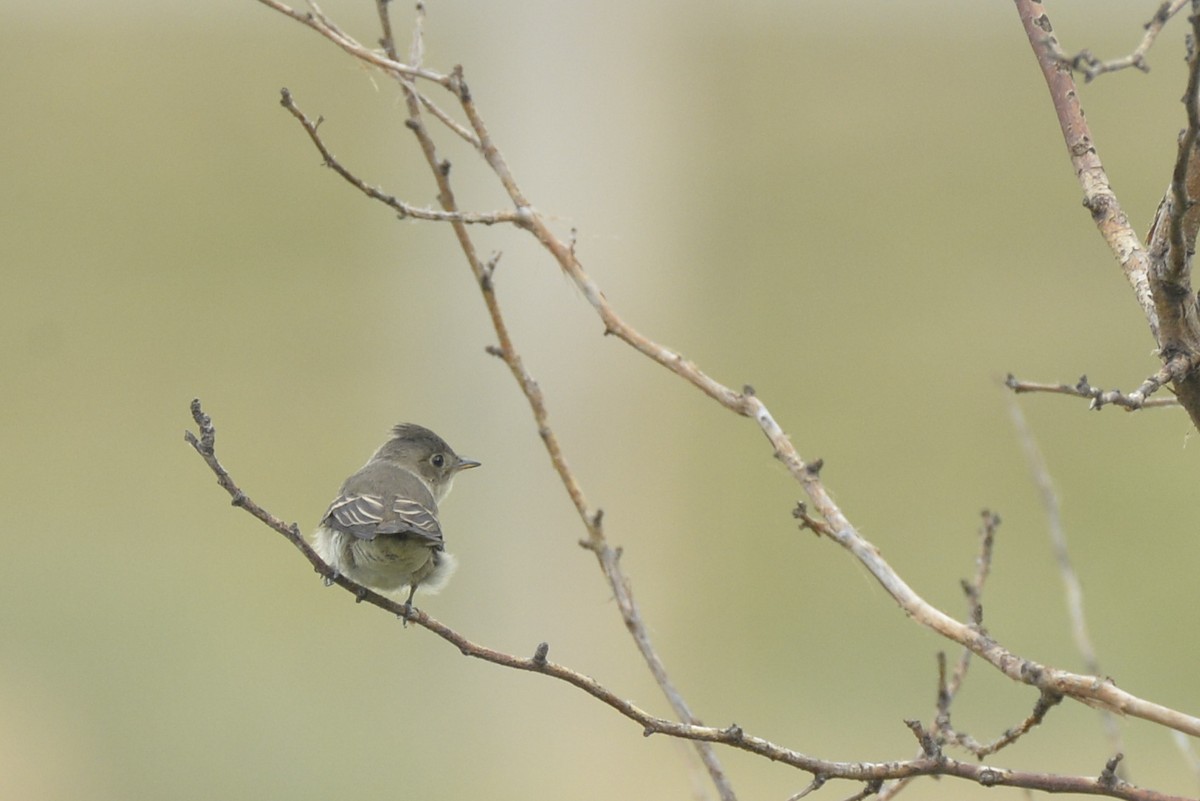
point(826, 517)
point(607, 557)
point(733, 736)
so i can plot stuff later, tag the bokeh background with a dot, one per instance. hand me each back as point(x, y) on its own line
point(864, 210)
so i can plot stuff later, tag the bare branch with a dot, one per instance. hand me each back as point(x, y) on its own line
point(816, 784)
point(1138, 399)
point(732, 736)
point(1172, 241)
point(319, 23)
point(941, 729)
point(1098, 196)
point(1089, 66)
point(980, 750)
point(401, 208)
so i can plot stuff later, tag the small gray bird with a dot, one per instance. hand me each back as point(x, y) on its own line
point(382, 530)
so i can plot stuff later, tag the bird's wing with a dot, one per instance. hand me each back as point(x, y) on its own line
point(366, 516)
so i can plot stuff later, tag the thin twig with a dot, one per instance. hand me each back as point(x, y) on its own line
point(816, 784)
point(204, 443)
point(1090, 67)
point(1098, 195)
point(947, 689)
point(1138, 399)
point(980, 750)
point(321, 25)
point(403, 209)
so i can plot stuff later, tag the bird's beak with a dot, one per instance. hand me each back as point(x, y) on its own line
point(465, 464)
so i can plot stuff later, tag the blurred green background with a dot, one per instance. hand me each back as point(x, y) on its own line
point(864, 210)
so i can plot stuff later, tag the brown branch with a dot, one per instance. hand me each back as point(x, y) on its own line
point(403, 209)
point(941, 729)
point(1098, 196)
point(1138, 399)
point(733, 736)
point(1159, 275)
point(980, 750)
point(1172, 241)
point(320, 23)
point(1090, 67)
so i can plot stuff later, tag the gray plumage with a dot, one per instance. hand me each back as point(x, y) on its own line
point(382, 530)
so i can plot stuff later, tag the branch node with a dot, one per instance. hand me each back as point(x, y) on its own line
point(494, 350)
point(208, 434)
point(486, 270)
point(734, 733)
point(813, 468)
point(818, 781)
point(539, 656)
point(928, 746)
point(1108, 777)
point(807, 521)
point(458, 85)
point(990, 777)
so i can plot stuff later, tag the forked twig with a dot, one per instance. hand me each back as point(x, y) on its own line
point(1091, 67)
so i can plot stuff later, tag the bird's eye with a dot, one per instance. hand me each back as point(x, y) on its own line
point(438, 460)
